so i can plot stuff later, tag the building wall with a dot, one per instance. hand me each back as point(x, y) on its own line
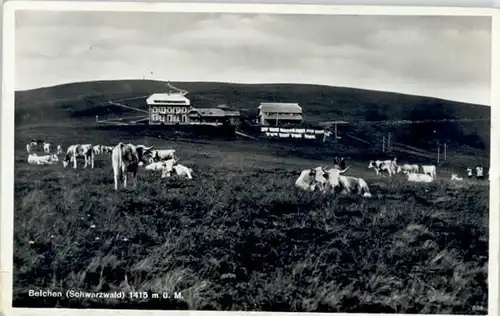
point(226, 119)
point(208, 119)
point(272, 122)
point(270, 118)
point(168, 114)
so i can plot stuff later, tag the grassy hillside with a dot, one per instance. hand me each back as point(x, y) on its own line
point(79, 103)
point(241, 237)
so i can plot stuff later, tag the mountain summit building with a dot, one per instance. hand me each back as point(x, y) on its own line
point(168, 108)
point(175, 108)
point(275, 114)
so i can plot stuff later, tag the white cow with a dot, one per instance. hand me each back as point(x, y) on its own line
point(311, 179)
point(106, 149)
point(34, 143)
point(386, 165)
point(182, 171)
point(46, 147)
point(156, 166)
point(347, 184)
point(126, 158)
point(430, 170)
point(34, 159)
point(420, 177)
point(330, 178)
point(59, 150)
point(479, 172)
point(79, 151)
point(168, 167)
point(97, 149)
point(455, 177)
point(375, 165)
point(469, 172)
point(162, 154)
point(407, 168)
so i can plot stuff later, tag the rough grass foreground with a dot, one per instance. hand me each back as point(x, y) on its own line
point(250, 241)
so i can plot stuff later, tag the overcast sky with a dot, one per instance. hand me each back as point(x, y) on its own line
point(444, 57)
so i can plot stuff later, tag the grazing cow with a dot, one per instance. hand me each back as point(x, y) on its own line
point(375, 165)
point(106, 149)
point(183, 171)
point(34, 159)
point(126, 158)
point(162, 154)
point(34, 142)
point(97, 149)
point(420, 177)
point(455, 177)
point(46, 147)
point(387, 165)
point(79, 151)
point(469, 172)
point(340, 163)
point(59, 150)
point(479, 172)
point(407, 168)
point(312, 179)
point(430, 170)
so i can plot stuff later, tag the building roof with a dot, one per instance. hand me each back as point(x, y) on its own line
point(327, 123)
point(232, 113)
point(214, 112)
point(280, 107)
point(282, 117)
point(167, 97)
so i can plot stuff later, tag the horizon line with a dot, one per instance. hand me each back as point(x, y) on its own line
point(248, 84)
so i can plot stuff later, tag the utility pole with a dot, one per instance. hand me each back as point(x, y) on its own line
point(445, 145)
point(336, 131)
point(388, 142)
point(439, 152)
point(383, 144)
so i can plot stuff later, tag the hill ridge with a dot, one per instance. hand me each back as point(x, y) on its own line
point(239, 84)
point(82, 102)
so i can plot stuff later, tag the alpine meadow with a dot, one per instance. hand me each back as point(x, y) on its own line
point(240, 236)
point(251, 194)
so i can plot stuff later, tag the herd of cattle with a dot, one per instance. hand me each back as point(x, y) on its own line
point(330, 180)
point(127, 158)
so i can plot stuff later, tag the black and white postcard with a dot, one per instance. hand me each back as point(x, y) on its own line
point(248, 158)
